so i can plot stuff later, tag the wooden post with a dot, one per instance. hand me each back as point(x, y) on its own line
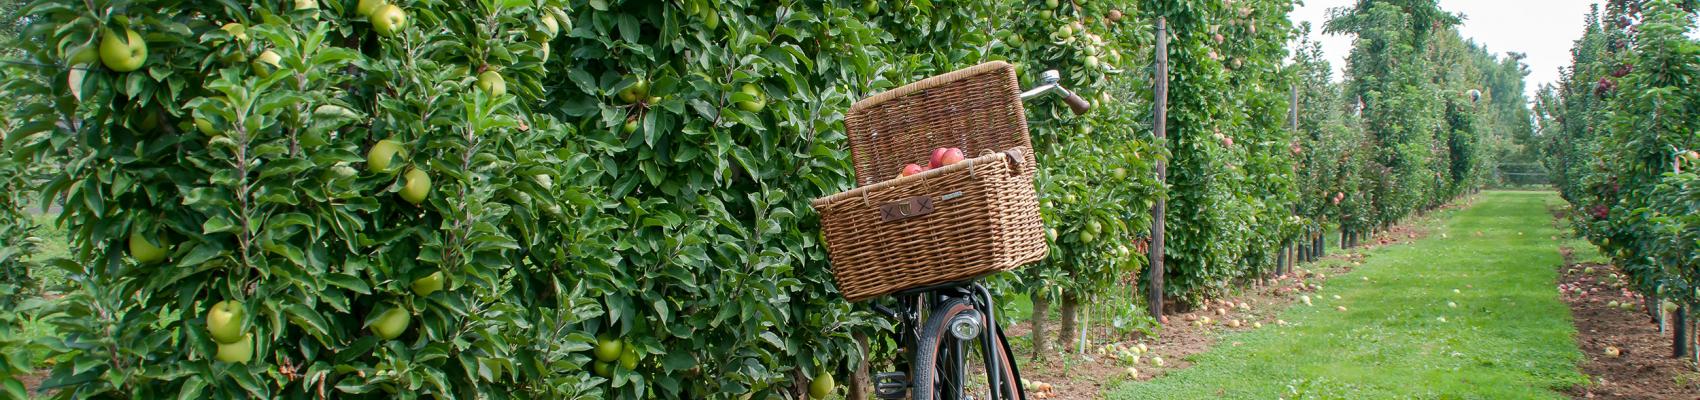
point(1288, 259)
point(1160, 115)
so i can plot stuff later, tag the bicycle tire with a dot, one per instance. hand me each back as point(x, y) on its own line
point(933, 337)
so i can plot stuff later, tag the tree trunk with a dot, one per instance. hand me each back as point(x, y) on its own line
point(1321, 245)
point(1070, 311)
point(1679, 338)
point(859, 384)
point(1651, 305)
point(1041, 307)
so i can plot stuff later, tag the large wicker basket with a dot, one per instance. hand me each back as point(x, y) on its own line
point(953, 223)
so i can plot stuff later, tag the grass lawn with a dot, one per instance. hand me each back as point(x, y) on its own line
point(1509, 336)
point(54, 244)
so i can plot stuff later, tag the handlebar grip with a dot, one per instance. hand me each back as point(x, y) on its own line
point(1079, 105)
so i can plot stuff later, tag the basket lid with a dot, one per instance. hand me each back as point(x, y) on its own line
point(976, 109)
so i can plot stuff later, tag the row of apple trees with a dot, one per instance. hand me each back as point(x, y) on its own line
point(608, 199)
point(503, 199)
point(1096, 180)
point(1415, 121)
point(18, 241)
point(509, 198)
point(1624, 129)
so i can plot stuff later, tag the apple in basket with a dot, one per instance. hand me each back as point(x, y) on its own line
point(945, 156)
point(911, 169)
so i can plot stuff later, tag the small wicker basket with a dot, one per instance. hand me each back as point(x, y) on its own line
point(953, 223)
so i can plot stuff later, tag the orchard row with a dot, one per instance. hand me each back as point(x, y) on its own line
point(609, 199)
point(1624, 145)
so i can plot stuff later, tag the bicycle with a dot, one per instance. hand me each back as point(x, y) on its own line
point(939, 326)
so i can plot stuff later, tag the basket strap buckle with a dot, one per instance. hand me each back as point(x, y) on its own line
point(1016, 158)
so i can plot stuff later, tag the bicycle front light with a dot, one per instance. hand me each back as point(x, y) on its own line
point(966, 325)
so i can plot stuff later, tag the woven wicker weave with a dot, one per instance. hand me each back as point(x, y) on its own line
point(984, 211)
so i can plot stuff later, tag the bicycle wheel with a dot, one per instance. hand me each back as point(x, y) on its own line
point(946, 368)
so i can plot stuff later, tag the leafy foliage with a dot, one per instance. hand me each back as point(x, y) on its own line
point(1624, 124)
point(641, 176)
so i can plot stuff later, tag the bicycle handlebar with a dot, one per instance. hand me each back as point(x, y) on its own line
point(1048, 83)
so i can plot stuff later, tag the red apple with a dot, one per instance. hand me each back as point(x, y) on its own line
point(911, 169)
point(1227, 141)
point(951, 156)
point(938, 153)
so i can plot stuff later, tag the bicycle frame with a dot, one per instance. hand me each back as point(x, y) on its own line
point(912, 309)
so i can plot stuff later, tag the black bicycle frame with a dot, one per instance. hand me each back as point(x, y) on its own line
point(911, 303)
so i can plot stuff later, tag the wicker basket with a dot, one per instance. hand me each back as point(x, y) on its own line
point(958, 222)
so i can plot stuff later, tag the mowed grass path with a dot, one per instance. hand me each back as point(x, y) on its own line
point(1509, 337)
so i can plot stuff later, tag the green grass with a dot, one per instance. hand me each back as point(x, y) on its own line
point(1510, 337)
point(54, 244)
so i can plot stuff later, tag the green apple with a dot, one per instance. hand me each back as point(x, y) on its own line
point(224, 321)
point(83, 55)
point(238, 351)
point(630, 126)
point(389, 20)
point(629, 358)
point(492, 82)
point(429, 284)
point(756, 104)
point(603, 369)
point(306, 5)
point(637, 91)
point(711, 18)
point(123, 54)
point(822, 386)
point(608, 348)
point(266, 62)
point(145, 251)
point(380, 156)
point(391, 323)
point(417, 187)
point(366, 7)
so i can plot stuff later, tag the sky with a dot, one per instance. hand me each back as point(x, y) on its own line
point(1542, 29)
